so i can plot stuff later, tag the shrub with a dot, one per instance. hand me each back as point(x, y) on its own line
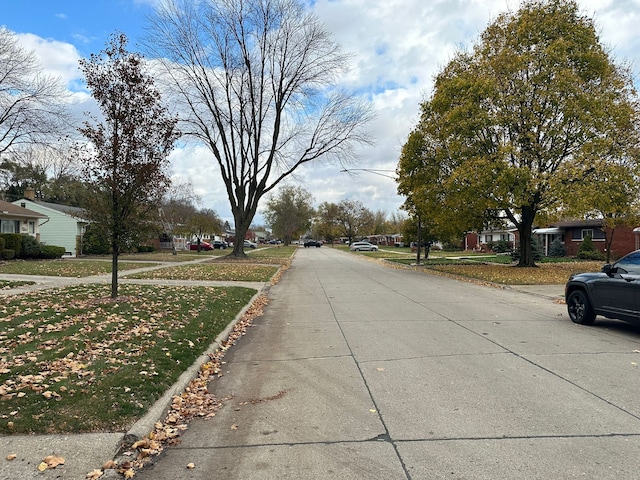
point(29, 247)
point(557, 248)
point(7, 254)
point(13, 241)
point(51, 251)
point(588, 250)
point(145, 248)
point(536, 250)
point(94, 242)
point(501, 246)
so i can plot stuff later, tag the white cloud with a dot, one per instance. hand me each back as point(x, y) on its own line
point(398, 46)
point(58, 59)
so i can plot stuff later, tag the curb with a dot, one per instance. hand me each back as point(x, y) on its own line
point(160, 408)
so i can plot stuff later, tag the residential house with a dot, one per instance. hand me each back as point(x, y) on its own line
point(63, 225)
point(16, 219)
point(572, 233)
point(482, 241)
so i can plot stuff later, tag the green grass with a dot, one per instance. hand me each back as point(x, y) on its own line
point(74, 360)
point(65, 268)
point(5, 284)
point(275, 252)
point(240, 271)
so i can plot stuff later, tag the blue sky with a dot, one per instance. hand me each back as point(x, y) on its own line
point(86, 24)
point(397, 47)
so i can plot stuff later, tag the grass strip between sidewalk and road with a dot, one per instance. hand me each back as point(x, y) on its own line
point(66, 268)
point(74, 360)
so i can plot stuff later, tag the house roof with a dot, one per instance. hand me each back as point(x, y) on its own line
point(594, 222)
point(75, 212)
point(16, 211)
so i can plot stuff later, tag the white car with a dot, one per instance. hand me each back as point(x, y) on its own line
point(363, 247)
point(250, 244)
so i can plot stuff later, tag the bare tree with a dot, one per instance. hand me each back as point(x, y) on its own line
point(32, 105)
point(126, 162)
point(256, 83)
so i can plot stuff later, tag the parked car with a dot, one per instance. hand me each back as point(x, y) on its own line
point(363, 247)
point(219, 244)
point(614, 292)
point(249, 244)
point(203, 246)
point(312, 243)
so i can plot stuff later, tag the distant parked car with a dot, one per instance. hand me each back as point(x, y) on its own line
point(203, 246)
point(249, 244)
point(312, 243)
point(219, 244)
point(363, 247)
point(614, 292)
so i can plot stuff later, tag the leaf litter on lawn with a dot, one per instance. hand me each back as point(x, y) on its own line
point(75, 360)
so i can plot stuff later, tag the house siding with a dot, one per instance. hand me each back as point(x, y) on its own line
point(60, 230)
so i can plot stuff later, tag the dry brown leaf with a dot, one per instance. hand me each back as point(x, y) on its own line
point(42, 467)
point(94, 474)
point(109, 465)
point(12, 456)
point(234, 427)
point(191, 466)
point(52, 461)
point(129, 473)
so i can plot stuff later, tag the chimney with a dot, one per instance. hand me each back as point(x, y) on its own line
point(30, 194)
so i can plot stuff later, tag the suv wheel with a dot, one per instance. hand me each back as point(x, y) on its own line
point(579, 308)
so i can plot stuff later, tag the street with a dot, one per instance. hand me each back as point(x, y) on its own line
point(361, 371)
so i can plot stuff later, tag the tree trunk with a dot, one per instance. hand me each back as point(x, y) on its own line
point(525, 230)
point(242, 226)
point(114, 272)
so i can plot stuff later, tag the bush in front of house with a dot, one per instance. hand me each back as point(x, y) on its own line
point(94, 242)
point(501, 246)
point(51, 251)
point(145, 248)
point(29, 247)
point(557, 249)
point(13, 241)
point(588, 250)
point(7, 254)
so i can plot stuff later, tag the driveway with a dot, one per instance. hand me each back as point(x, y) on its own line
point(359, 371)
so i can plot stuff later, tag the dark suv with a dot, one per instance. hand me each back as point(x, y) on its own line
point(613, 293)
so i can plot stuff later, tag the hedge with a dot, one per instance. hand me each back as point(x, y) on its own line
point(13, 241)
point(7, 254)
point(51, 251)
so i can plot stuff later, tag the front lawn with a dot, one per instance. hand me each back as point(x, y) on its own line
point(242, 272)
point(543, 274)
point(65, 267)
point(74, 360)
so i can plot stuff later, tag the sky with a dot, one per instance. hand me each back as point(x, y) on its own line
point(397, 47)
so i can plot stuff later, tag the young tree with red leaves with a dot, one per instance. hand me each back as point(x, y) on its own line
point(125, 163)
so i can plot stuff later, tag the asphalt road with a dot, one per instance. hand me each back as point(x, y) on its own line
point(358, 371)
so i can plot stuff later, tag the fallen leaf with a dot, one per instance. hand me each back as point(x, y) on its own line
point(234, 427)
point(191, 466)
point(129, 473)
point(94, 474)
point(110, 464)
point(12, 456)
point(52, 461)
point(42, 467)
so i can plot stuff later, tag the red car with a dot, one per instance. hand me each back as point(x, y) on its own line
point(203, 246)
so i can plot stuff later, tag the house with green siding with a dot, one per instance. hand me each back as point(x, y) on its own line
point(64, 226)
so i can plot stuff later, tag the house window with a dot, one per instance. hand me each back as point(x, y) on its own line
point(587, 232)
point(9, 226)
point(32, 227)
